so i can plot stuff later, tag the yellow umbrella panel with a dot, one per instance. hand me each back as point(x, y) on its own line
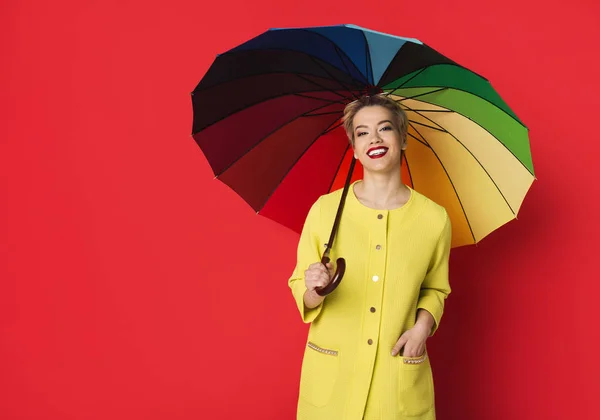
point(462, 166)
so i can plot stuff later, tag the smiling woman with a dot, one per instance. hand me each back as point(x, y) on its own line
point(376, 128)
point(366, 356)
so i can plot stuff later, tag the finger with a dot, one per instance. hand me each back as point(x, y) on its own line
point(330, 269)
point(315, 271)
point(413, 350)
point(311, 280)
point(420, 350)
point(323, 271)
point(315, 266)
point(399, 344)
point(315, 281)
point(409, 350)
point(324, 279)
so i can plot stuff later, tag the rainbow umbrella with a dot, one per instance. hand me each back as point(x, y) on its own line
point(267, 118)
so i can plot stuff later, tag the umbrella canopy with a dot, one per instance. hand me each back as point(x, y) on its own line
point(267, 116)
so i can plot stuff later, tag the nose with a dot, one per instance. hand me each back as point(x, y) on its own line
point(375, 138)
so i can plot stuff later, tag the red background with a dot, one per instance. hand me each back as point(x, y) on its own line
point(134, 286)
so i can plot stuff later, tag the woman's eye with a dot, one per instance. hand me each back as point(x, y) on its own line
point(360, 134)
point(387, 127)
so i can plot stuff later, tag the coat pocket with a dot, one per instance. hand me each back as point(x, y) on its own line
point(415, 385)
point(319, 374)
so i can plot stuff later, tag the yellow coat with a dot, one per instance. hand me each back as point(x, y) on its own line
point(397, 262)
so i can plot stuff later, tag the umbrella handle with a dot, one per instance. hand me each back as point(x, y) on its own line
point(337, 277)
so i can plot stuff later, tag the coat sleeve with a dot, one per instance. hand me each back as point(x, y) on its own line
point(308, 253)
point(436, 286)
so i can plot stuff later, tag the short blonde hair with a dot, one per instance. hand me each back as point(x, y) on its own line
point(399, 118)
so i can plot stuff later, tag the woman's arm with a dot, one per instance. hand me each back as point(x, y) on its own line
point(425, 320)
point(436, 286)
point(308, 302)
point(430, 306)
point(312, 299)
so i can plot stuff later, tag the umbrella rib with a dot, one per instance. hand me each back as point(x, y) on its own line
point(301, 76)
point(338, 167)
point(412, 181)
point(476, 160)
point(331, 101)
point(245, 76)
point(432, 110)
point(292, 167)
point(417, 139)
point(322, 113)
point(451, 62)
point(475, 122)
point(428, 126)
point(235, 111)
point(330, 129)
point(412, 77)
point(344, 87)
point(338, 51)
point(453, 187)
point(263, 139)
point(467, 92)
point(393, 91)
point(423, 139)
point(404, 98)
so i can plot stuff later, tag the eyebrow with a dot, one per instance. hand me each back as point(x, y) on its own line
point(379, 123)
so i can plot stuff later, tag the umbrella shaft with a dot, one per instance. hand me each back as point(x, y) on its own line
point(340, 207)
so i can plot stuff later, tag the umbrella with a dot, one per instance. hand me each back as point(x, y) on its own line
point(267, 118)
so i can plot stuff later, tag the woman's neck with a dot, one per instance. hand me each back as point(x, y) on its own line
point(382, 191)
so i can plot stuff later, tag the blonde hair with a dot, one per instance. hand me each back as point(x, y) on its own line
point(399, 119)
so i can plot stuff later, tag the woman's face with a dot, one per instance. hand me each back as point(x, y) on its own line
point(377, 140)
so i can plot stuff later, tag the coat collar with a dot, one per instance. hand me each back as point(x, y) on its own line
point(359, 209)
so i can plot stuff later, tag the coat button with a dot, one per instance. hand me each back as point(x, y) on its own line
point(372, 309)
point(370, 341)
point(375, 278)
point(380, 216)
point(378, 247)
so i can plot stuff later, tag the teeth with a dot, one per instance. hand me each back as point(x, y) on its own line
point(377, 152)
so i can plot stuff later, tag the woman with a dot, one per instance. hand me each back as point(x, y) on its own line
point(366, 356)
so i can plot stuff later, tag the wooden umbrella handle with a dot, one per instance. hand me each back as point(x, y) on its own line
point(337, 277)
point(340, 263)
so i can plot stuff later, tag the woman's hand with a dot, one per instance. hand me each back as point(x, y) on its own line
point(413, 340)
point(318, 275)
